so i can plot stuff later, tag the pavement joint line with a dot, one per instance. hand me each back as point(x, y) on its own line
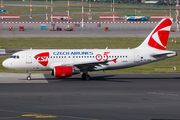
point(36, 115)
point(14, 111)
point(82, 118)
point(14, 33)
point(105, 34)
point(9, 117)
point(159, 93)
point(132, 34)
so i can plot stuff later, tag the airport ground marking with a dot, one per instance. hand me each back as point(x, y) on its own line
point(39, 115)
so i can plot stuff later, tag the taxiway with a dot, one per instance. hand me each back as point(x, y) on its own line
point(104, 97)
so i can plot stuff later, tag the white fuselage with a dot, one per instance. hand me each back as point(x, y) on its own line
point(39, 59)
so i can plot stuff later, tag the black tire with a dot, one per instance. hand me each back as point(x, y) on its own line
point(88, 77)
point(28, 78)
point(84, 76)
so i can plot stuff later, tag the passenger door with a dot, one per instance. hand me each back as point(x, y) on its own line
point(28, 57)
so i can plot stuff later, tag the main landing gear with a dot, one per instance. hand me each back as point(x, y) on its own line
point(85, 76)
point(29, 76)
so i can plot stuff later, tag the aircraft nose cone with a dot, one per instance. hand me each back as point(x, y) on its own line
point(5, 64)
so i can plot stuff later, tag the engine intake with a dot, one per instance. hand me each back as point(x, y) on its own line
point(64, 71)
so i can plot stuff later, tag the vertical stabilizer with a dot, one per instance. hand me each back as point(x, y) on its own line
point(158, 38)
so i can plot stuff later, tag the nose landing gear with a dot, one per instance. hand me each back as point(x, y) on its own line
point(29, 77)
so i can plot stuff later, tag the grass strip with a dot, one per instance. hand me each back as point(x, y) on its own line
point(164, 66)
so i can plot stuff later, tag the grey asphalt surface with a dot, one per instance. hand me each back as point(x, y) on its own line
point(79, 33)
point(90, 30)
point(105, 97)
point(76, 33)
point(84, 7)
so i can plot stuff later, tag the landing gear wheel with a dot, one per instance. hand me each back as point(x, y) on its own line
point(85, 77)
point(88, 77)
point(28, 78)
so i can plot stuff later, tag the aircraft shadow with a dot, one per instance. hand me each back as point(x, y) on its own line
point(111, 78)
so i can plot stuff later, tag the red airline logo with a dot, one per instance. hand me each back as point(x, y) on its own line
point(160, 35)
point(42, 58)
point(99, 57)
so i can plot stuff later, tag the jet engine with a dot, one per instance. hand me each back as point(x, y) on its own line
point(64, 71)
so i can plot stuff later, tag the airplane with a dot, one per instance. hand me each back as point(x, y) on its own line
point(136, 18)
point(67, 62)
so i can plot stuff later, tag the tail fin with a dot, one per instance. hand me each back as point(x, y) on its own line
point(158, 38)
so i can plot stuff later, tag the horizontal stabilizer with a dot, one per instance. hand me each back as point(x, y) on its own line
point(167, 53)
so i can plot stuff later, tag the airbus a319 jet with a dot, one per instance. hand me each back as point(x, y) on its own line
point(67, 62)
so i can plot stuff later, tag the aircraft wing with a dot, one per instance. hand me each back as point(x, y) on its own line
point(86, 64)
point(97, 65)
point(94, 62)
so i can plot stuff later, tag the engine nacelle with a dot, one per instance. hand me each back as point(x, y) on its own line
point(64, 71)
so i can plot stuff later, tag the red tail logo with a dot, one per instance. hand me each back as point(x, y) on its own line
point(160, 35)
point(42, 58)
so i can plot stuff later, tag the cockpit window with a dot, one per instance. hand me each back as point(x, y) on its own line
point(15, 56)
